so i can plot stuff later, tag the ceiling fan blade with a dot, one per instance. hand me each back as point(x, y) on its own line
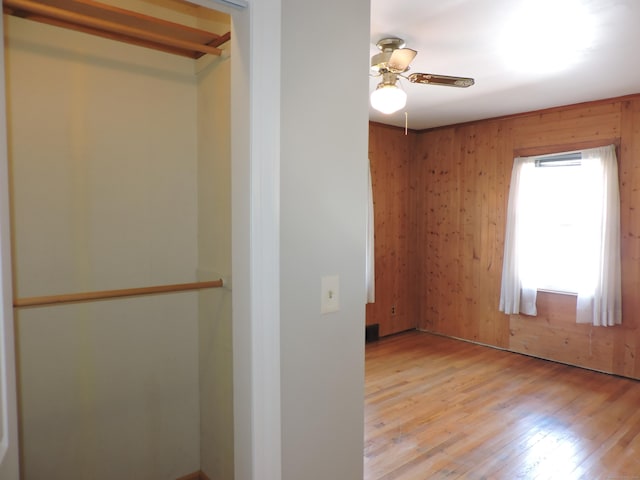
point(446, 80)
point(400, 59)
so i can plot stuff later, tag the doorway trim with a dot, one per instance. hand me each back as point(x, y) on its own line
point(255, 198)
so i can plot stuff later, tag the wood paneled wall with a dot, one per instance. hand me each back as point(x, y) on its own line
point(462, 175)
point(390, 153)
point(458, 181)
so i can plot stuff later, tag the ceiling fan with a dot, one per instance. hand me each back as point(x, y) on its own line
point(390, 64)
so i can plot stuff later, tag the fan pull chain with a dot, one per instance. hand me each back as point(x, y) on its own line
point(406, 122)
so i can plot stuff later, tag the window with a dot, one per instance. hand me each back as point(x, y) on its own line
point(563, 233)
point(558, 219)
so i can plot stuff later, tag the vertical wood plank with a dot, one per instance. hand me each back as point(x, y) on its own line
point(390, 153)
point(626, 361)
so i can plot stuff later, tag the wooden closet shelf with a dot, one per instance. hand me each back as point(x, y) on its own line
point(115, 23)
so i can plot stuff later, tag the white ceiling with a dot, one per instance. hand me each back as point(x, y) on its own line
point(477, 38)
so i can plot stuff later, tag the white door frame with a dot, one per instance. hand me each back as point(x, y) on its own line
point(255, 147)
point(9, 443)
point(255, 81)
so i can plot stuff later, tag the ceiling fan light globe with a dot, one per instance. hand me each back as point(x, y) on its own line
point(388, 98)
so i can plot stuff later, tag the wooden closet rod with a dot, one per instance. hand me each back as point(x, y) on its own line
point(105, 294)
point(73, 18)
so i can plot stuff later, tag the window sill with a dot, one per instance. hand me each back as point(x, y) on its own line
point(557, 292)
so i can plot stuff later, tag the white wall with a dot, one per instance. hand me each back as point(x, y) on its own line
point(323, 194)
point(103, 149)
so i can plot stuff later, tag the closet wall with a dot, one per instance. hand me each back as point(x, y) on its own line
point(110, 164)
point(462, 176)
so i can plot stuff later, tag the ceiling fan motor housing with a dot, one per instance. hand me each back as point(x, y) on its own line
point(380, 62)
point(390, 44)
point(393, 57)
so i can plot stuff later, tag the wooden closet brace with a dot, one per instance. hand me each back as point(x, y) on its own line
point(106, 294)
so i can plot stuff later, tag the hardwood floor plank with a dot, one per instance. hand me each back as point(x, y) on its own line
point(442, 408)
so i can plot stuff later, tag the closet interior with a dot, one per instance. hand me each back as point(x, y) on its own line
point(119, 150)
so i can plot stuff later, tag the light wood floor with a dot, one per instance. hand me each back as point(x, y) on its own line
point(441, 408)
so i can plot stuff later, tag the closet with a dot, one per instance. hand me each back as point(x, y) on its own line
point(118, 139)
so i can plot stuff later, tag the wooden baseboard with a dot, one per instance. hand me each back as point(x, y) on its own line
point(199, 475)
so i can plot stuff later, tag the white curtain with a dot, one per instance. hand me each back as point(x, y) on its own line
point(600, 295)
point(518, 294)
point(597, 244)
point(370, 251)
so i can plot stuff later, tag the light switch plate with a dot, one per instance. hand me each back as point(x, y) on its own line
point(330, 291)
